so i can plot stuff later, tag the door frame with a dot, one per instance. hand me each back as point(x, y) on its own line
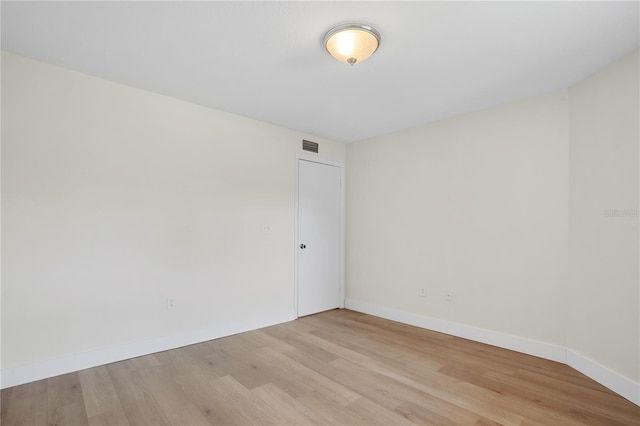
point(303, 157)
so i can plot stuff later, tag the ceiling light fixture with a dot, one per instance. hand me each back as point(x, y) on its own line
point(351, 43)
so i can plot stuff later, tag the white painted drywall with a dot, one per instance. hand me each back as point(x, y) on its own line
point(114, 199)
point(527, 214)
point(604, 307)
point(475, 206)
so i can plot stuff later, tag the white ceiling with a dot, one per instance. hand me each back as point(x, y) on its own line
point(265, 60)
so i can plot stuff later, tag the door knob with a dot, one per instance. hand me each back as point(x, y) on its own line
point(302, 246)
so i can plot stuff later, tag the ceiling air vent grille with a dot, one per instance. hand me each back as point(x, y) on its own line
point(309, 146)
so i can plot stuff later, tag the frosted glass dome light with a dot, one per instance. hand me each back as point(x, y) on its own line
point(352, 43)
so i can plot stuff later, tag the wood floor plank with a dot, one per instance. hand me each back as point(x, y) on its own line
point(535, 407)
point(25, 405)
point(334, 414)
point(263, 340)
point(373, 348)
point(578, 402)
point(65, 404)
point(176, 406)
point(138, 403)
point(433, 404)
point(142, 362)
point(100, 398)
point(202, 396)
point(376, 414)
point(421, 415)
point(181, 362)
point(450, 390)
point(302, 343)
point(335, 368)
point(605, 398)
point(296, 379)
point(242, 401)
point(289, 407)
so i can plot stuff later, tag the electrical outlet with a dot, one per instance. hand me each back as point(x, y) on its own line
point(448, 296)
point(422, 292)
point(170, 303)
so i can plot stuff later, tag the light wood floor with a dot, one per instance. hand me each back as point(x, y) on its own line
point(338, 367)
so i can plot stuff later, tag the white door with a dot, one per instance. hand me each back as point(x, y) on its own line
point(319, 242)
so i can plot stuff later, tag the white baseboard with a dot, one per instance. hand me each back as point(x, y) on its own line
point(622, 385)
point(495, 338)
point(54, 367)
point(618, 383)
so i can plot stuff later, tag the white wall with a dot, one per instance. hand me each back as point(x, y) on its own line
point(114, 199)
point(604, 307)
point(512, 210)
point(475, 206)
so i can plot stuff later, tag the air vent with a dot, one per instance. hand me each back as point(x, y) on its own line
point(309, 146)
